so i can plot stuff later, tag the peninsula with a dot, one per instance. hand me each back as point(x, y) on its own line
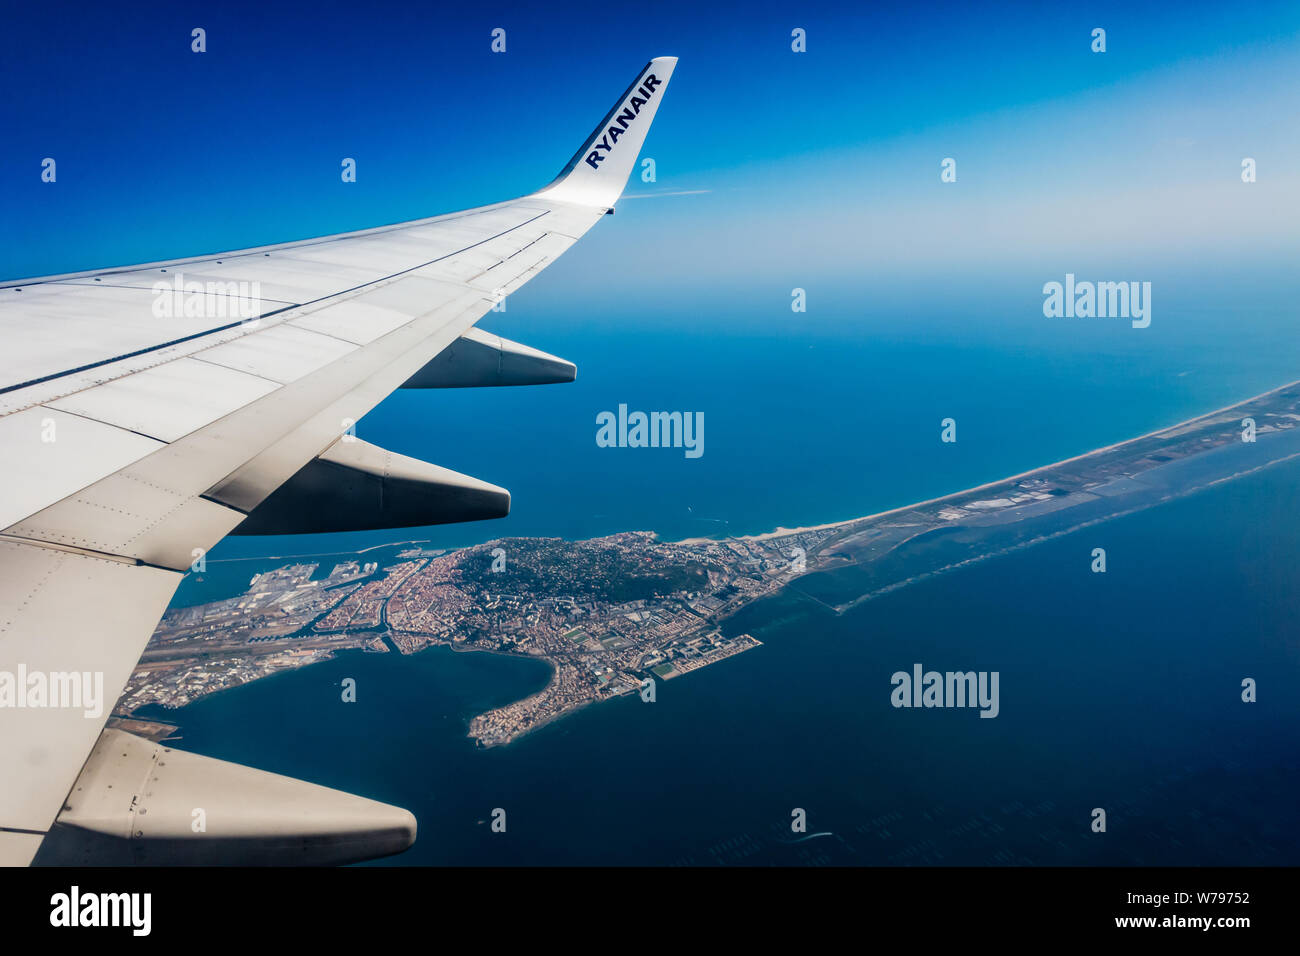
point(613, 614)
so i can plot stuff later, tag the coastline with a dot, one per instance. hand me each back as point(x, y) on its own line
point(783, 531)
point(850, 530)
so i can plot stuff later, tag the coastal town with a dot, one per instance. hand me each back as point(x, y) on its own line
point(613, 615)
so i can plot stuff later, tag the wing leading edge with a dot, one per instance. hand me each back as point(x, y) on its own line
point(137, 437)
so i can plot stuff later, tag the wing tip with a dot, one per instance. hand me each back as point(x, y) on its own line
point(598, 171)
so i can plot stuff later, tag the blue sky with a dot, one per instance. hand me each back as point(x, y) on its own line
point(818, 165)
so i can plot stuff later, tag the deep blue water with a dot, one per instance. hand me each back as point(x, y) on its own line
point(1119, 691)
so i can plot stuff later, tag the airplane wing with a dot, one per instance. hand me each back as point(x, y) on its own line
point(146, 412)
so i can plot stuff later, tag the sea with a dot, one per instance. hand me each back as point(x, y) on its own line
point(1120, 692)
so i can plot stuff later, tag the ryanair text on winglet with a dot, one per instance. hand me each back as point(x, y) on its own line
point(618, 127)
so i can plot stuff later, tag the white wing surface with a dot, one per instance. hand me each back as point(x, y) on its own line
point(148, 411)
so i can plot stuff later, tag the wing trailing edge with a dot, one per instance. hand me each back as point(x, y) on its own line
point(479, 358)
point(356, 486)
point(140, 803)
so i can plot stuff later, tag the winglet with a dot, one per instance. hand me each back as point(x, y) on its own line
point(597, 173)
